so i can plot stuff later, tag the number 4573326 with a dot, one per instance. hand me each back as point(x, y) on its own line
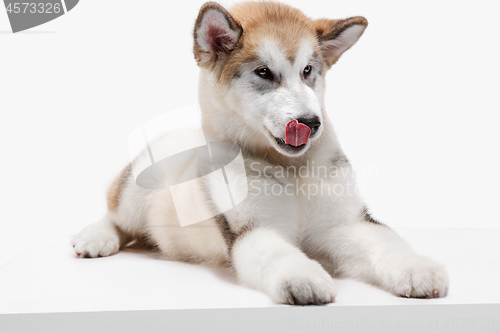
point(28, 7)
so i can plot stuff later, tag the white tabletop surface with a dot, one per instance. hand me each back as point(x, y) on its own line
point(46, 277)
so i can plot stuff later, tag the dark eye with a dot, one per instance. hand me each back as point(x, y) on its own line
point(263, 72)
point(307, 70)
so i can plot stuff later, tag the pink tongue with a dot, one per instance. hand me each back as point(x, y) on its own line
point(296, 134)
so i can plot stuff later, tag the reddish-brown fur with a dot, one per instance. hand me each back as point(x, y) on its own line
point(266, 19)
point(286, 25)
point(116, 188)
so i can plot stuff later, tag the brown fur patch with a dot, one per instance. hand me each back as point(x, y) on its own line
point(368, 218)
point(288, 26)
point(116, 188)
point(225, 230)
point(229, 235)
point(339, 160)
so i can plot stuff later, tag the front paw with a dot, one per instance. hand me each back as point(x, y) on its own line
point(96, 240)
point(302, 281)
point(419, 277)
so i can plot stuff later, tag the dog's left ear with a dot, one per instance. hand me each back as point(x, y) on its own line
point(216, 34)
point(337, 36)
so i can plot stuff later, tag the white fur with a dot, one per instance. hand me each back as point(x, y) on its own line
point(265, 261)
point(294, 99)
point(98, 239)
point(288, 236)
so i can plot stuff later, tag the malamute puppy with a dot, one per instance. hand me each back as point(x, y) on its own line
point(261, 87)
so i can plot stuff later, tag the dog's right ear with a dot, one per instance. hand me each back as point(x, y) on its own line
point(216, 34)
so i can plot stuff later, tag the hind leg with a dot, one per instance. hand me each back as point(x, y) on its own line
point(127, 204)
point(100, 239)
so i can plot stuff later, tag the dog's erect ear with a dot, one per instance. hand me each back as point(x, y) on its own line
point(216, 34)
point(337, 36)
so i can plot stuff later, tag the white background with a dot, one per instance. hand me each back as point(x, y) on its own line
point(416, 98)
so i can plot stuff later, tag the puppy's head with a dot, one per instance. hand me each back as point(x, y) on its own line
point(263, 68)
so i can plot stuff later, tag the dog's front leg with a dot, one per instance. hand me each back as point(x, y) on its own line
point(357, 246)
point(371, 252)
point(264, 247)
point(266, 261)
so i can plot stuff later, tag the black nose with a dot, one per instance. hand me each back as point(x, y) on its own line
point(313, 123)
